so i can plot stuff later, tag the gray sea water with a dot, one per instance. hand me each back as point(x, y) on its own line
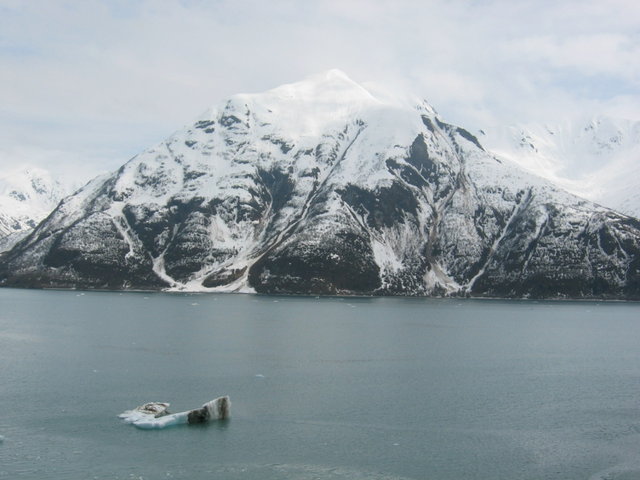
point(331, 388)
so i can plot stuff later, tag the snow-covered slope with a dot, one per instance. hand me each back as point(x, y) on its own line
point(321, 187)
point(27, 196)
point(597, 158)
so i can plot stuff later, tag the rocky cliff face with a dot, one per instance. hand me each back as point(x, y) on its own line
point(319, 187)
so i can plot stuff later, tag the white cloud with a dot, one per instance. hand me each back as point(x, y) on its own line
point(105, 79)
point(606, 53)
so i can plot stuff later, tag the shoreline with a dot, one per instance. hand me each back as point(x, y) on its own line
point(336, 296)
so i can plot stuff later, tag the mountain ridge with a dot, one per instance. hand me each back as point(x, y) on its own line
point(594, 157)
point(319, 187)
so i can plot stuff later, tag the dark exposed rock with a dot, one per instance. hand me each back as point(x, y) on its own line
point(468, 136)
point(342, 263)
point(223, 277)
point(382, 207)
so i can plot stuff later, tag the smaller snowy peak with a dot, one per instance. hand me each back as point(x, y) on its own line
point(605, 135)
point(573, 140)
point(27, 195)
point(596, 157)
point(29, 183)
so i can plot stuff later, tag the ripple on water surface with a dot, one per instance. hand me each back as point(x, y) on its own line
point(299, 472)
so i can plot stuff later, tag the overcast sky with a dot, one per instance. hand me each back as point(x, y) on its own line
point(87, 84)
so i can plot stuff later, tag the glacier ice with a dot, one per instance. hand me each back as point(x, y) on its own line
point(154, 415)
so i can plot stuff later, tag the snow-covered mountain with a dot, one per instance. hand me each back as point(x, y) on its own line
point(27, 196)
point(597, 158)
point(321, 187)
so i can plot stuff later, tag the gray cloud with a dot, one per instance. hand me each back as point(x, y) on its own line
point(97, 81)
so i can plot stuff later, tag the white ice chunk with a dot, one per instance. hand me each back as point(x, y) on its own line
point(153, 415)
point(149, 422)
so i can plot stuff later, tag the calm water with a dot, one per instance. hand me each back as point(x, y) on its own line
point(321, 388)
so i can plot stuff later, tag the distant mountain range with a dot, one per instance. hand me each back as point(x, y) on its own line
point(597, 158)
point(320, 187)
point(27, 196)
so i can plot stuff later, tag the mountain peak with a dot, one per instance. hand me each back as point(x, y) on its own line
point(307, 107)
point(335, 74)
point(332, 87)
point(27, 195)
point(324, 100)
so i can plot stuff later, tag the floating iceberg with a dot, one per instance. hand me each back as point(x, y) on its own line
point(155, 415)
